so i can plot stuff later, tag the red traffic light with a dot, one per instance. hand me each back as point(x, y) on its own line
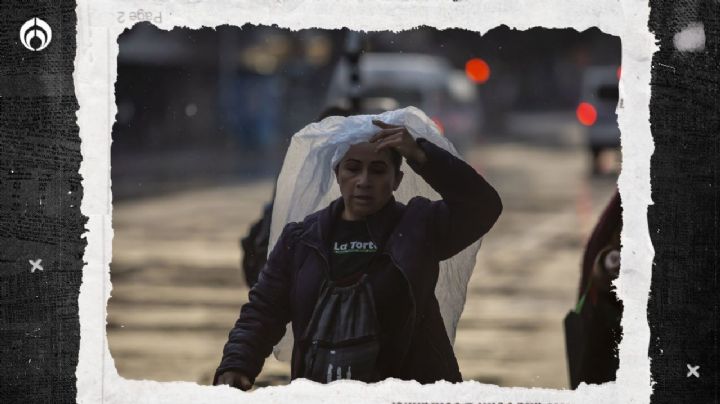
point(586, 114)
point(477, 70)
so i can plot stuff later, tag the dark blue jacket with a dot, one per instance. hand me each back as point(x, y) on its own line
point(413, 238)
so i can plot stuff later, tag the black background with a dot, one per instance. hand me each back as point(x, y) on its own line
point(39, 161)
point(683, 306)
point(40, 158)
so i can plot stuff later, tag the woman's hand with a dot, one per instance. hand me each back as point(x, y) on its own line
point(235, 379)
point(398, 138)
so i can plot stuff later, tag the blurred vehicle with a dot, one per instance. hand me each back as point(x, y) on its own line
point(596, 110)
point(389, 81)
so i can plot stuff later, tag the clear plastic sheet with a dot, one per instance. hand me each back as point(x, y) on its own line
point(307, 184)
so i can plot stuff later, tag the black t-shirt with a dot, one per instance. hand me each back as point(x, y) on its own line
point(353, 252)
point(352, 249)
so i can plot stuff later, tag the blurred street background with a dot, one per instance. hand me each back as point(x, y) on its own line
point(205, 117)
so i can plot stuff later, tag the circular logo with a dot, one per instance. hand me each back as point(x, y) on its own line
point(35, 34)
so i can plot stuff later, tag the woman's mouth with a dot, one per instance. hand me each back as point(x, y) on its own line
point(362, 198)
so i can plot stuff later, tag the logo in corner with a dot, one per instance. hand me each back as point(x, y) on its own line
point(35, 34)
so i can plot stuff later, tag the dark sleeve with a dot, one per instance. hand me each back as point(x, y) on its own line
point(469, 206)
point(264, 317)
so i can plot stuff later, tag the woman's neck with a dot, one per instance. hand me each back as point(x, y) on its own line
point(346, 215)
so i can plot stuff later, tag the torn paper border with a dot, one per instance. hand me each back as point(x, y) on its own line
point(95, 72)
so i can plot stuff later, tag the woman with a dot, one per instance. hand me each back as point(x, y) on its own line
point(357, 279)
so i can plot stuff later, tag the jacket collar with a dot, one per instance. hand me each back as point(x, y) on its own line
point(380, 224)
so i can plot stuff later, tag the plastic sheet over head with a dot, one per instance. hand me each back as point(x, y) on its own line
point(307, 184)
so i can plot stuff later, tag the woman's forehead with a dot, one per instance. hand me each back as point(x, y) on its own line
point(365, 152)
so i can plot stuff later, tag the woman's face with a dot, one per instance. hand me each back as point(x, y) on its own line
point(367, 180)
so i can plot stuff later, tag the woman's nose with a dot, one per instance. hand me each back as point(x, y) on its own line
point(364, 179)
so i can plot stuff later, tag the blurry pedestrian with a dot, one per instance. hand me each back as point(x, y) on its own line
point(593, 329)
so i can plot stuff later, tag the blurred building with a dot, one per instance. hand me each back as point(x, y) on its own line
point(225, 101)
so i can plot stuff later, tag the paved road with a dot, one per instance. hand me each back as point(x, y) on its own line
point(177, 287)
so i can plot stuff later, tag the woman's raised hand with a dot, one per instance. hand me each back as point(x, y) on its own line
point(397, 137)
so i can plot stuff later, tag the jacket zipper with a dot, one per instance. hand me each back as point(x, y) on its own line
point(409, 287)
point(314, 346)
point(431, 342)
point(412, 302)
point(407, 281)
point(324, 258)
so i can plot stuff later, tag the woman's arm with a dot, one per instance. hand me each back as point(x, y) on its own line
point(264, 317)
point(469, 206)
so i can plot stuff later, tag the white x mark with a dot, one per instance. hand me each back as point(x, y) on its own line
point(693, 371)
point(35, 265)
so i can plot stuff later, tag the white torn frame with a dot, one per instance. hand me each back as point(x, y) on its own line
point(98, 28)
